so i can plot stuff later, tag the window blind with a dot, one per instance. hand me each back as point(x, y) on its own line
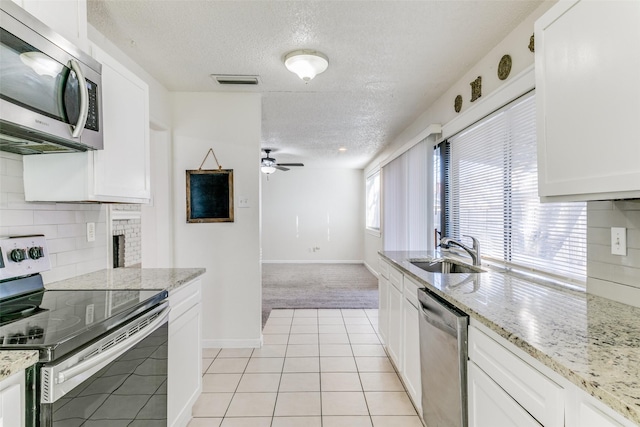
point(494, 196)
point(405, 191)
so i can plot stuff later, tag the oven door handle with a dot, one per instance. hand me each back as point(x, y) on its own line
point(107, 356)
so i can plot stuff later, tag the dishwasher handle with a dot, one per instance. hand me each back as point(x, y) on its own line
point(435, 319)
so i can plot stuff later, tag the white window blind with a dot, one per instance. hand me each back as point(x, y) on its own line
point(494, 196)
point(405, 194)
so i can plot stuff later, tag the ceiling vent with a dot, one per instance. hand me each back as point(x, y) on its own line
point(227, 79)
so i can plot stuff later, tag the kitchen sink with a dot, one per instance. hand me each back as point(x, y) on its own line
point(446, 267)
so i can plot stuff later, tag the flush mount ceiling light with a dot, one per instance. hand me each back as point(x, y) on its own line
point(306, 63)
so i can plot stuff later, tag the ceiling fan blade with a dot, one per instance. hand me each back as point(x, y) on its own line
point(280, 168)
point(290, 164)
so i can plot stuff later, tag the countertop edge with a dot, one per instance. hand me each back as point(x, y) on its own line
point(14, 361)
point(592, 388)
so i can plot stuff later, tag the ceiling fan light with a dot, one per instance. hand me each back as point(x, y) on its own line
point(306, 63)
point(267, 169)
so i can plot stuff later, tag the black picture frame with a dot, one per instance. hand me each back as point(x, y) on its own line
point(210, 196)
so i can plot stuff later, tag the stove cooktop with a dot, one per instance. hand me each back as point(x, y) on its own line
point(56, 322)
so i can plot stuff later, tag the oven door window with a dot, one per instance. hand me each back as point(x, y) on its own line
point(130, 391)
point(37, 82)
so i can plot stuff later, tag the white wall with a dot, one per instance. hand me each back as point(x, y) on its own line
point(229, 123)
point(157, 216)
point(442, 111)
point(308, 208)
point(63, 225)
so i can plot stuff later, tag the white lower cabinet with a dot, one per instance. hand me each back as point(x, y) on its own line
point(585, 411)
point(398, 324)
point(12, 407)
point(394, 343)
point(411, 354)
point(507, 387)
point(185, 353)
point(383, 311)
point(490, 405)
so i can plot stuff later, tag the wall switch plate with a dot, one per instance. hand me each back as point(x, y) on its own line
point(91, 232)
point(619, 241)
point(243, 202)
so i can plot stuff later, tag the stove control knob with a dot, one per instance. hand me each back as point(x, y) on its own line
point(36, 252)
point(18, 255)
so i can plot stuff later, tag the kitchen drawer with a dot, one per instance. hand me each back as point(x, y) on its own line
point(536, 393)
point(183, 299)
point(396, 278)
point(411, 291)
point(384, 267)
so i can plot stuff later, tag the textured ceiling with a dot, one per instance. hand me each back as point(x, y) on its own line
point(388, 60)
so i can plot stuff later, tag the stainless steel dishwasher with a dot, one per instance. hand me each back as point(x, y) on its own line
point(443, 362)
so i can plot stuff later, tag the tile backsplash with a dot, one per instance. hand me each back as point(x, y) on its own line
point(63, 224)
point(613, 276)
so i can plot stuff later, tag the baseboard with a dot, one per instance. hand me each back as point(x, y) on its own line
point(309, 261)
point(371, 270)
point(232, 343)
point(184, 417)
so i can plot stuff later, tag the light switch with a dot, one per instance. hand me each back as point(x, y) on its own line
point(243, 202)
point(619, 241)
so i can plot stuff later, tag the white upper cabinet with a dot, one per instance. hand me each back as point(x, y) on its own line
point(66, 17)
point(122, 168)
point(588, 100)
point(120, 172)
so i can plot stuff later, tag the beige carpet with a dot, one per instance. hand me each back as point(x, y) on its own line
point(317, 286)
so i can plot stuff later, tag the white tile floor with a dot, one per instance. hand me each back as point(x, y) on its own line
point(317, 368)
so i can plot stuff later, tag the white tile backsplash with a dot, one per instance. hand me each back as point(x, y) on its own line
point(63, 224)
point(613, 276)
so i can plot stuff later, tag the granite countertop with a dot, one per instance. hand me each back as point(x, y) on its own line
point(591, 341)
point(131, 278)
point(15, 361)
point(12, 361)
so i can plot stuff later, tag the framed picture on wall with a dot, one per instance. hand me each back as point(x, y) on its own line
point(210, 195)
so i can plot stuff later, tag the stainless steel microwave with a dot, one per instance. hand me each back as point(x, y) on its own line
point(50, 91)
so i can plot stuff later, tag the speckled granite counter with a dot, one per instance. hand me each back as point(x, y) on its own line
point(131, 278)
point(591, 341)
point(16, 361)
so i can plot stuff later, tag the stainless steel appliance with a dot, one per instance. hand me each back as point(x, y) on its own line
point(103, 353)
point(443, 362)
point(50, 91)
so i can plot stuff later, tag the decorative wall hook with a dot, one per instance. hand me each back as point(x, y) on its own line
point(214, 157)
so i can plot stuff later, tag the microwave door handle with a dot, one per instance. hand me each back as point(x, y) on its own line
point(84, 100)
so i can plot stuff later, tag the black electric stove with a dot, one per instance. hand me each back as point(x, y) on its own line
point(86, 339)
point(56, 322)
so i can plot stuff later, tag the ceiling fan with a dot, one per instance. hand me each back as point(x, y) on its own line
point(268, 165)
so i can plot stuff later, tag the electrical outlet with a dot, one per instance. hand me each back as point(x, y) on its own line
point(619, 241)
point(91, 232)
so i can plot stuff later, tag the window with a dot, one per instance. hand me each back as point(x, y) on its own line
point(373, 201)
point(491, 193)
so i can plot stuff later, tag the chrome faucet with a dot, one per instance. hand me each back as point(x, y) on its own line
point(474, 251)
